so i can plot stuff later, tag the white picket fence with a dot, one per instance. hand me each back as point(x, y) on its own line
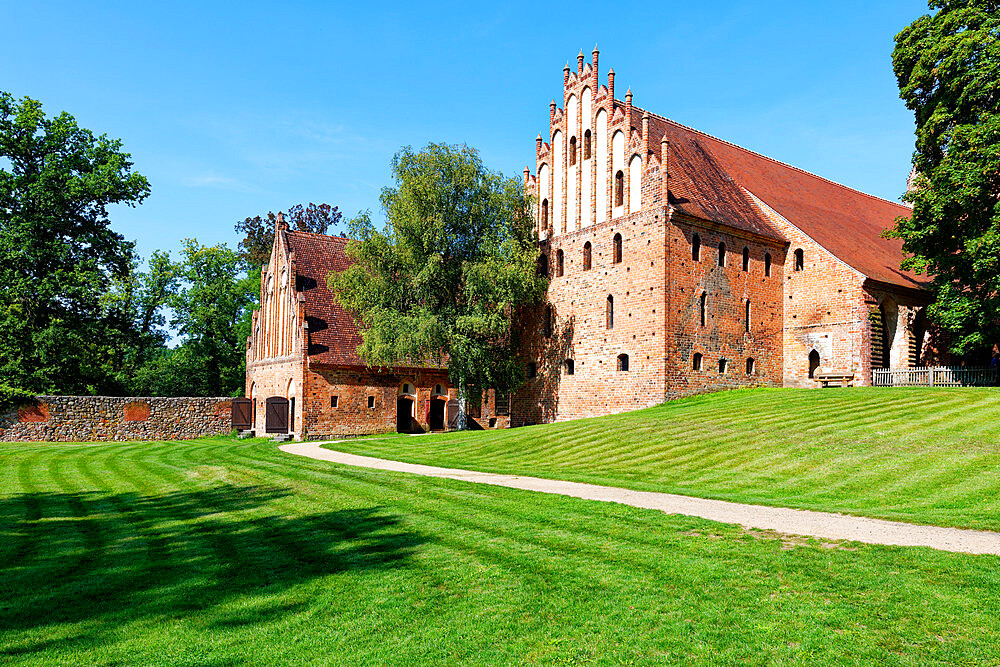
point(935, 376)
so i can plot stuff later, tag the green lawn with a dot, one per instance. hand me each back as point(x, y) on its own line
point(224, 552)
point(919, 455)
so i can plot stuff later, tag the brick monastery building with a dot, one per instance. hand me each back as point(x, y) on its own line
point(679, 263)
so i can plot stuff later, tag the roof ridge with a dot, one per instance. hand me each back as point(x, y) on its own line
point(771, 159)
point(323, 236)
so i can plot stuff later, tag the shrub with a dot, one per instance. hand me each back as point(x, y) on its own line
point(12, 397)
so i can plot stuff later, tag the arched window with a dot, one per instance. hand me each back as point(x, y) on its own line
point(616, 253)
point(696, 361)
point(559, 263)
point(611, 312)
point(813, 363)
point(751, 366)
point(586, 145)
point(545, 214)
point(620, 188)
point(547, 324)
point(746, 258)
point(723, 366)
point(635, 184)
point(623, 362)
point(800, 260)
point(696, 248)
point(586, 256)
point(532, 369)
point(568, 366)
point(572, 151)
point(722, 254)
point(543, 265)
point(746, 317)
point(438, 389)
point(703, 302)
point(767, 264)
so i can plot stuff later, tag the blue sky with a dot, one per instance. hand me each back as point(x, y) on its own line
point(234, 109)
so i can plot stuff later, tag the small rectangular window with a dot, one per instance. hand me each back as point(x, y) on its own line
point(371, 401)
point(501, 404)
point(333, 401)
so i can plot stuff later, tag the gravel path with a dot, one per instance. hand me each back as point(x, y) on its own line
point(825, 525)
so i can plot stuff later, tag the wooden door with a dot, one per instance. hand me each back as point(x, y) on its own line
point(242, 414)
point(276, 415)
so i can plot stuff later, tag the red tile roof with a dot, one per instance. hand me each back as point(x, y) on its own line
point(846, 222)
point(333, 331)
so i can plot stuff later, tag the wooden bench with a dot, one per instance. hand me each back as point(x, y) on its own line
point(835, 379)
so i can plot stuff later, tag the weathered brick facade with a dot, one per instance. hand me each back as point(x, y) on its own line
point(790, 280)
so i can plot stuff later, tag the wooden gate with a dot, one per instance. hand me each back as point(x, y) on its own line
point(276, 415)
point(242, 414)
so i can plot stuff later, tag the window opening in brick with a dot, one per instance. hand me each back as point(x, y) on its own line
point(620, 188)
point(616, 254)
point(586, 145)
point(723, 366)
point(545, 214)
point(559, 263)
point(569, 367)
point(586, 256)
point(746, 258)
point(501, 404)
point(334, 401)
point(547, 324)
point(610, 312)
point(751, 366)
point(696, 361)
point(746, 316)
point(722, 254)
point(813, 363)
point(572, 151)
point(703, 303)
point(696, 248)
point(623, 362)
point(532, 369)
point(800, 260)
point(371, 401)
point(767, 264)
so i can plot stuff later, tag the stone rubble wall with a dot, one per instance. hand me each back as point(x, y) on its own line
point(98, 418)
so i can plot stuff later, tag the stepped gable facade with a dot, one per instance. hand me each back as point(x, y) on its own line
point(304, 376)
point(679, 263)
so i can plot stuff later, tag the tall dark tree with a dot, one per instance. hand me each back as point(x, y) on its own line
point(948, 68)
point(258, 231)
point(58, 253)
point(445, 277)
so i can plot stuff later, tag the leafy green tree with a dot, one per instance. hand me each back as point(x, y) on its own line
point(211, 300)
point(444, 279)
point(58, 253)
point(948, 68)
point(258, 231)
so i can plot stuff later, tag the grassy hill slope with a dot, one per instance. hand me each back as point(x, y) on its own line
point(920, 455)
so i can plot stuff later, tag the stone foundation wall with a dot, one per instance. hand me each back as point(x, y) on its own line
point(90, 418)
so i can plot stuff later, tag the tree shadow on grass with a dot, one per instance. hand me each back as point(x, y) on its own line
point(106, 559)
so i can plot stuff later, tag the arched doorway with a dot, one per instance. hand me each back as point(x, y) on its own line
point(404, 414)
point(813, 363)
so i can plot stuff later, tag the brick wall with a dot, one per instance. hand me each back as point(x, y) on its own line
point(96, 418)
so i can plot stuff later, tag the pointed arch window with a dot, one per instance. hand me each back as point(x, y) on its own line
point(620, 188)
point(616, 252)
point(572, 151)
point(586, 145)
point(545, 214)
point(586, 256)
point(800, 260)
